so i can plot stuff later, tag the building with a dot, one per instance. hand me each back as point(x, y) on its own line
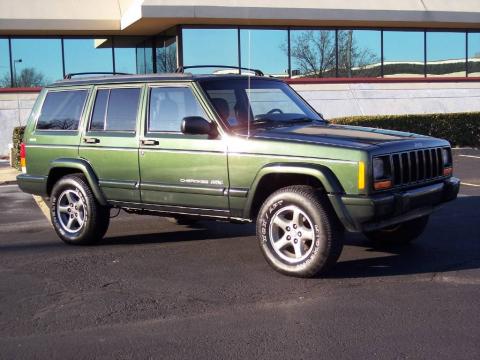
point(346, 57)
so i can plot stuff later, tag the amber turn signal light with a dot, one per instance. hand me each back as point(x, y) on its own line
point(382, 185)
point(447, 171)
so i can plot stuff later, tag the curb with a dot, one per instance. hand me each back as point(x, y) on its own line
point(8, 182)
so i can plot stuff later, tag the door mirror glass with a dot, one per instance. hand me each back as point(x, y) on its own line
point(197, 125)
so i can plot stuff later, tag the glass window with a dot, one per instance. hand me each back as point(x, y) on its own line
point(261, 102)
point(36, 62)
point(61, 110)
point(115, 110)
point(210, 47)
point(403, 53)
point(133, 55)
point(168, 107)
point(312, 53)
point(166, 53)
point(88, 55)
point(473, 54)
point(5, 78)
point(446, 54)
point(359, 53)
point(265, 50)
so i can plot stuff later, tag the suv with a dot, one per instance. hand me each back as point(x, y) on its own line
point(233, 148)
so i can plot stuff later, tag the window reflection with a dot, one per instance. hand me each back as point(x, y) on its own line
point(403, 53)
point(474, 54)
point(265, 50)
point(166, 54)
point(209, 47)
point(312, 53)
point(445, 54)
point(133, 55)
point(88, 55)
point(359, 53)
point(5, 78)
point(36, 62)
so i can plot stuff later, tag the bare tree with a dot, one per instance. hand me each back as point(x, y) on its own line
point(166, 59)
point(315, 54)
point(354, 60)
point(28, 77)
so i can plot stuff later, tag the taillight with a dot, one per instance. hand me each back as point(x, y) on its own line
point(23, 155)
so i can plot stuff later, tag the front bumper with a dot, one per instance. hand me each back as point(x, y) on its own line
point(359, 213)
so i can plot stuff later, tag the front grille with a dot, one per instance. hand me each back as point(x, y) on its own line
point(417, 166)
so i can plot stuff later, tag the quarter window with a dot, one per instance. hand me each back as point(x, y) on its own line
point(115, 110)
point(168, 107)
point(62, 110)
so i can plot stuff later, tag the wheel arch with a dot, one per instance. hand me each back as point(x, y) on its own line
point(66, 166)
point(275, 176)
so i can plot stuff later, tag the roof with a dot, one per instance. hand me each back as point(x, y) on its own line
point(125, 79)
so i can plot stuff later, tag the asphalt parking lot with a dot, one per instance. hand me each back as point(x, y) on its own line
point(157, 290)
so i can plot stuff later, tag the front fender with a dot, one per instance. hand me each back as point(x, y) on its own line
point(84, 167)
point(323, 174)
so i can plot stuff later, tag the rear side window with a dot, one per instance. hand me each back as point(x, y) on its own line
point(115, 110)
point(168, 107)
point(61, 110)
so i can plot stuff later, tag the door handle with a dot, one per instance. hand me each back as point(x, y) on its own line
point(149, 142)
point(91, 140)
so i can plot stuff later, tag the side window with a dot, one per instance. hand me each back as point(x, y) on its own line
point(168, 107)
point(61, 110)
point(115, 110)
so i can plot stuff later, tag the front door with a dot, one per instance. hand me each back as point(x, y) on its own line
point(110, 141)
point(181, 173)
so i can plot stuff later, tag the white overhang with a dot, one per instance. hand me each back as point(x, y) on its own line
point(146, 17)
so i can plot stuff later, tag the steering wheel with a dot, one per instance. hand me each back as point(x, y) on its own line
point(273, 111)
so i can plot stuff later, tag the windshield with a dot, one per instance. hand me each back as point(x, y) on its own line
point(260, 102)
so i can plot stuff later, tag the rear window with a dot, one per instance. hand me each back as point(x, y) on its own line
point(115, 110)
point(61, 110)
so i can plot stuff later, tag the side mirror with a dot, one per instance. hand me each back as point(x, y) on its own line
point(196, 125)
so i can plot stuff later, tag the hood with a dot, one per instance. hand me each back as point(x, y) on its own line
point(335, 135)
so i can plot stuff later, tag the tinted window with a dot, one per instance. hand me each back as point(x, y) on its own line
point(168, 106)
point(87, 55)
point(133, 55)
point(474, 54)
point(36, 62)
point(446, 53)
point(313, 53)
point(259, 47)
point(62, 110)
point(403, 53)
point(210, 47)
point(359, 53)
point(115, 110)
point(5, 78)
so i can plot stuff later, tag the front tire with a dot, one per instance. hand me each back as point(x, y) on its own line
point(400, 234)
point(77, 217)
point(298, 232)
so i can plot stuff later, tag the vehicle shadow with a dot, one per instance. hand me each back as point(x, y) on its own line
point(203, 230)
point(451, 242)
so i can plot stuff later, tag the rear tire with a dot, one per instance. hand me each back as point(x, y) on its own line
point(77, 217)
point(298, 232)
point(401, 234)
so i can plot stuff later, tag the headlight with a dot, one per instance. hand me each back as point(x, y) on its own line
point(378, 168)
point(447, 162)
point(381, 173)
point(446, 157)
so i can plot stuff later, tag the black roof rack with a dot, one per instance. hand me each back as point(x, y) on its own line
point(181, 69)
point(69, 76)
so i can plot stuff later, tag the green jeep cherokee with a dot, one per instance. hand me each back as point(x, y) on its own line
point(232, 148)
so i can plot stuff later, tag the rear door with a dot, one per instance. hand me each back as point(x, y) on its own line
point(182, 173)
point(110, 140)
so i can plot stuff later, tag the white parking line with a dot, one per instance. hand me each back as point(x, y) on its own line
point(8, 185)
point(471, 156)
point(468, 184)
point(43, 207)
